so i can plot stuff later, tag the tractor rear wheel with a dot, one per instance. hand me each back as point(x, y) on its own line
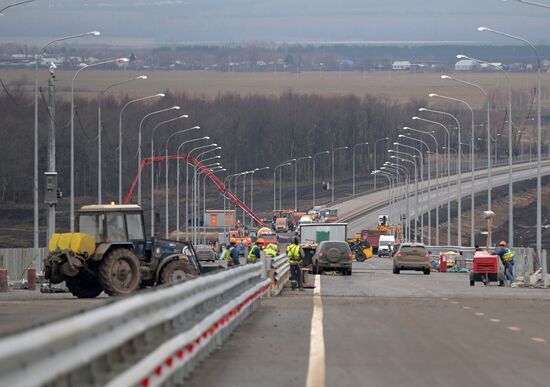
point(119, 272)
point(83, 287)
point(177, 271)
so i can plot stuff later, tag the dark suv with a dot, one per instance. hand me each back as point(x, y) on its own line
point(332, 255)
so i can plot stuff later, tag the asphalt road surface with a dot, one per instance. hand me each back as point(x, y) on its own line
point(379, 329)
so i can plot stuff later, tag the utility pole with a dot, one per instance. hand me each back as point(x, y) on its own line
point(51, 176)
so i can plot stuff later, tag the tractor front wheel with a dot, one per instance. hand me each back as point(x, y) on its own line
point(83, 287)
point(119, 272)
point(176, 271)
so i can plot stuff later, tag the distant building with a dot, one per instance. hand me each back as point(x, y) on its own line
point(494, 66)
point(401, 65)
point(465, 65)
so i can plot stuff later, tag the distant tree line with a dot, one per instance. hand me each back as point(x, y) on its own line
point(254, 131)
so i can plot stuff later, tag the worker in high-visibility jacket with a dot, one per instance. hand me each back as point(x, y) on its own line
point(271, 250)
point(254, 253)
point(507, 257)
point(295, 254)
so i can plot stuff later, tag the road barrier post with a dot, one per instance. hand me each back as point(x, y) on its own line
point(544, 267)
point(31, 278)
point(3, 280)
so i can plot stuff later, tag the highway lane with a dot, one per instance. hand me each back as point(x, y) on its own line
point(392, 330)
point(430, 200)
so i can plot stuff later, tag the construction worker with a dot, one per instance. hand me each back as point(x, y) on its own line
point(254, 253)
point(295, 254)
point(272, 250)
point(507, 258)
point(232, 255)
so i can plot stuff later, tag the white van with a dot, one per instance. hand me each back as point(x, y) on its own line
point(384, 245)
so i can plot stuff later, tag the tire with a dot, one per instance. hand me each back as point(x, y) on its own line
point(177, 271)
point(119, 272)
point(360, 256)
point(427, 271)
point(396, 270)
point(349, 271)
point(83, 287)
point(333, 255)
point(472, 283)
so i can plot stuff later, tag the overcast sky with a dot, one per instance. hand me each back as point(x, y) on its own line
point(182, 21)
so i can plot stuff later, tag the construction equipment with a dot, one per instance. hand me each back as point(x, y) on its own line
point(265, 236)
point(111, 253)
point(361, 250)
point(486, 269)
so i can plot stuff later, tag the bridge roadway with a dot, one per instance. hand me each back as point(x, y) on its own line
point(351, 209)
point(382, 329)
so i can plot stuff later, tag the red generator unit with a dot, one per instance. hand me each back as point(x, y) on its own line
point(486, 269)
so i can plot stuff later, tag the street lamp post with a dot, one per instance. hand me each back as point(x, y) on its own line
point(436, 178)
point(159, 95)
point(285, 164)
point(35, 180)
point(448, 141)
point(472, 162)
point(332, 162)
point(353, 168)
point(426, 204)
point(14, 5)
point(406, 194)
point(296, 180)
point(398, 144)
point(227, 183)
point(281, 184)
point(539, 124)
point(459, 183)
point(197, 185)
point(398, 170)
point(153, 168)
point(314, 156)
point(416, 188)
point(166, 213)
point(99, 130)
point(178, 183)
point(252, 191)
point(139, 144)
point(375, 159)
point(489, 174)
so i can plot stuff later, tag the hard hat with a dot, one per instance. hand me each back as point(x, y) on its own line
point(296, 241)
point(502, 243)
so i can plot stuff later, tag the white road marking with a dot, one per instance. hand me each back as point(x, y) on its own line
point(480, 314)
point(454, 302)
point(538, 339)
point(316, 366)
point(495, 320)
point(515, 329)
point(466, 307)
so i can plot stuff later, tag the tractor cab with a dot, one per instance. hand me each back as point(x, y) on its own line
point(116, 225)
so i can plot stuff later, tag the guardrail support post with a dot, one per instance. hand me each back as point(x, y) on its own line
point(31, 278)
point(544, 267)
point(3, 280)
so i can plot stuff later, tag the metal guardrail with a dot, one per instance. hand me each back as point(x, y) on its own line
point(279, 273)
point(147, 339)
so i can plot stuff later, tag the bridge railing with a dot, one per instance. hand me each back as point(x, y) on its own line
point(279, 273)
point(148, 339)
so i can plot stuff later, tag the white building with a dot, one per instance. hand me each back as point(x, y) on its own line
point(465, 65)
point(401, 65)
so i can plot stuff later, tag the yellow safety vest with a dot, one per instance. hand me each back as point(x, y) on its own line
point(228, 254)
point(270, 251)
point(251, 256)
point(293, 253)
point(508, 256)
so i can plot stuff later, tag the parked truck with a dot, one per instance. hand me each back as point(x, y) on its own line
point(111, 253)
point(314, 233)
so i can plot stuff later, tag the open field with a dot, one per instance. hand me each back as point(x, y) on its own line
point(400, 86)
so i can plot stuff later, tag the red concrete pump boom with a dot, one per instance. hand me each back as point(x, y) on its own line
point(219, 184)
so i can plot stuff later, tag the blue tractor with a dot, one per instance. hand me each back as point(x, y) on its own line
point(111, 253)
